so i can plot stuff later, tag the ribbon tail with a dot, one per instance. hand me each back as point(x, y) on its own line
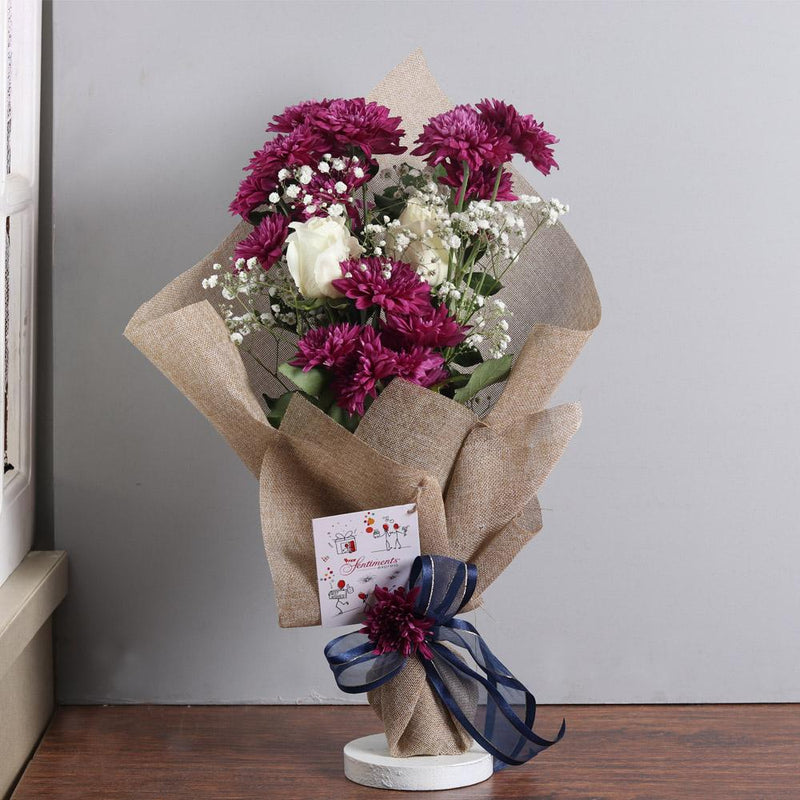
point(460, 633)
point(500, 730)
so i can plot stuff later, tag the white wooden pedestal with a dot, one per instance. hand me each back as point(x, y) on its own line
point(367, 761)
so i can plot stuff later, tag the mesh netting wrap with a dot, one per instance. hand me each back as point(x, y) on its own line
point(473, 472)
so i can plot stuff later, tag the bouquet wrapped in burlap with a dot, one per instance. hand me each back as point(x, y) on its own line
point(474, 478)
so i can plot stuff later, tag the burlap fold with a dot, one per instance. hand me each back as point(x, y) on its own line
point(474, 476)
point(312, 468)
point(415, 719)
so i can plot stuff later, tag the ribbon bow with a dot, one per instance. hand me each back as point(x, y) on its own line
point(420, 620)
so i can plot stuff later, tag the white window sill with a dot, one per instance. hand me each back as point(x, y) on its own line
point(27, 600)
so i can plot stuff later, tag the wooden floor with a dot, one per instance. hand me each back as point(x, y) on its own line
point(295, 753)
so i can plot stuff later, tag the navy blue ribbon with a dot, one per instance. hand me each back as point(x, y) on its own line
point(494, 708)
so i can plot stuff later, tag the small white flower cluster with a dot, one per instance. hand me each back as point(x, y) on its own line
point(553, 210)
point(422, 234)
point(242, 325)
point(501, 224)
point(336, 175)
point(496, 224)
point(448, 291)
point(375, 237)
point(427, 232)
point(244, 278)
point(245, 283)
point(491, 326)
point(212, 280)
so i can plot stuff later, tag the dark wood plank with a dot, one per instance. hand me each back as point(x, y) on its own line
point(295, 753)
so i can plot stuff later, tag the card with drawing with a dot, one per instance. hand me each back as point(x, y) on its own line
point(355, 552)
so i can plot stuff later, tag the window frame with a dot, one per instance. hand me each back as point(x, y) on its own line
point(19, 188)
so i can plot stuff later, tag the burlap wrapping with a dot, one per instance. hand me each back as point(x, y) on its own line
point(474, 476)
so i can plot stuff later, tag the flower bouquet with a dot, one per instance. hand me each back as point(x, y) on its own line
point(384, 327)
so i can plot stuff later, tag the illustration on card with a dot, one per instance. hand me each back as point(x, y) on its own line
point(386, 529)
point(340, 594)
point(356, 552)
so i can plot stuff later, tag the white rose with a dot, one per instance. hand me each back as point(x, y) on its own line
point(427, 253)
point(314, 251)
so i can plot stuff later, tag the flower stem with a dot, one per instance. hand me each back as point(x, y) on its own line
point(519, 252)
point(497, 182)
point(463, 191)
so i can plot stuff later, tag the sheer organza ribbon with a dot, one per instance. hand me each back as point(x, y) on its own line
point(500, 715)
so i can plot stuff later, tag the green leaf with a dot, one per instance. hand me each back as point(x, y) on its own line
point(312, 382)
point(484, 375)
point(475, 251)
point(391, 207)
point(458, 379)
point(325, 398)
point(448, 386)
point(255, 217)
point(468, 358)
point(417, 181)
point(483, 283)
point(338, 414)
point(277, 408)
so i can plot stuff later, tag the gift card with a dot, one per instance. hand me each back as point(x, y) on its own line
point(356, 552)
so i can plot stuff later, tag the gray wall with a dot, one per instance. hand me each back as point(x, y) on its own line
point(668, 566)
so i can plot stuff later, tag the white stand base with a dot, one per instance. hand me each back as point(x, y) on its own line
point(367, 762)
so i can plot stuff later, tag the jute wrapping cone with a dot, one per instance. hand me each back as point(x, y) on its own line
point(474, 476)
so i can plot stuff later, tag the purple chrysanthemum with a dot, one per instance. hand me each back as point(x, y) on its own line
point(266, 241)
point(343, 122)
point(393, 285)
point(420, 365)
point(301, 146)
point(332, 346)
point(434, 329)
point(292, 116)
point(253, 192)
point(393, 627)
point(375, 362)
point(325, 189)
point(527, 136)
point(361, 124)
point(462, 135)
